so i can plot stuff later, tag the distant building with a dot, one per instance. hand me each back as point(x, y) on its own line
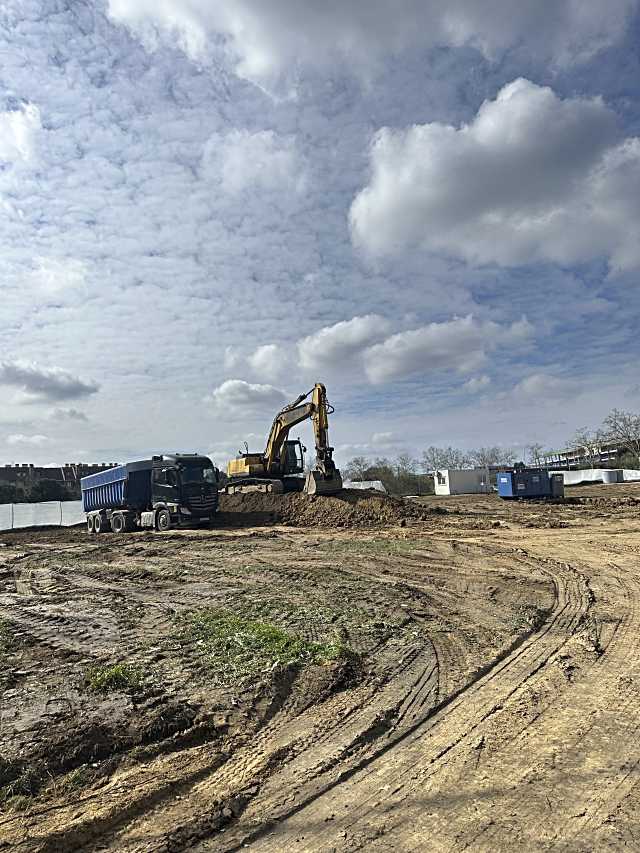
point(27, 474)
point(604, 454)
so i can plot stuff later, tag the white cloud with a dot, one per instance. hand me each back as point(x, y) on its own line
point(476, 384)
point(243, 160)
point(54, 276)
point(59, 414)
point(231, 358)
point(18, 133)
point(47, 383)
point(461, 344)
point(265, 39)
point(544, 385)
point(532, 178)
point(27, 440)
point(338, 346)
point(237, 396)
point(267, 361)
point(383, 438)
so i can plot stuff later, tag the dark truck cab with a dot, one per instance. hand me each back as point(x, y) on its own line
point(161, 492)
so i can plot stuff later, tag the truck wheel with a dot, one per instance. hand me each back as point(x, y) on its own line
point(118, 523)
point(90, 527)
point(98, 524)
point(163, 519)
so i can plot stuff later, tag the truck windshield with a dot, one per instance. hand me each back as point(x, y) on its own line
point(197, 474)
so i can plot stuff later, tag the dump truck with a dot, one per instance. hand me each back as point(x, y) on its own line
point(277, 469)
point(178, 489)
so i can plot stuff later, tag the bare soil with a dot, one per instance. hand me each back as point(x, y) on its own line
point(485, 694)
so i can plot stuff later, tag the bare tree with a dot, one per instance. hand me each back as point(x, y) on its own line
point(405, 464)
point(439, 458)
point(357, 468)
point(483, 457)
point(535, 454)
point(623, 428)
point(588, 441)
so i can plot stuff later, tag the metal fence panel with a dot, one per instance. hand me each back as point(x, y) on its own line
point(5, 516)
point(72, 513)
point(56, 513)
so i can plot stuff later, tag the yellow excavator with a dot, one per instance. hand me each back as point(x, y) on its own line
point(275, 470)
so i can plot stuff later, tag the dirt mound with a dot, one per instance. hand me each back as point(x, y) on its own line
point(350, 508)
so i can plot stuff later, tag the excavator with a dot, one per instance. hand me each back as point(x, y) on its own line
point(275, 470)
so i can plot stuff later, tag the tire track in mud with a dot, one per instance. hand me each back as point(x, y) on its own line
point(419, 754)
point(143, 807)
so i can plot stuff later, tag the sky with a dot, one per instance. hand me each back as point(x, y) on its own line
point(433, 208)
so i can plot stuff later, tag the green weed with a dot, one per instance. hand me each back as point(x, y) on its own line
point(119, 676)
point(5, 638)
point(235, 647)
point(382, 547)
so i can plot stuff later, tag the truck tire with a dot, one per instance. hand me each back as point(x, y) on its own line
point(118, 524)
point(98, 524)
point(90, 526)
point(163, 519)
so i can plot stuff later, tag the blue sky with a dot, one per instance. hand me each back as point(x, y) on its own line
point(204, 208)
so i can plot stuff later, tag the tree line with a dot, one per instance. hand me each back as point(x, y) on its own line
point(409, 475)
point(619, 427)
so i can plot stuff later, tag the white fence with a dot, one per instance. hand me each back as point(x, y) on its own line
point(599, 475)
point(55, 513)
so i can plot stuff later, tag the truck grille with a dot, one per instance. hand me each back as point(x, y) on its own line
point(201, 504)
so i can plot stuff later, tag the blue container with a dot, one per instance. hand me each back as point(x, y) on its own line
point(529, 483)
point(124, 487)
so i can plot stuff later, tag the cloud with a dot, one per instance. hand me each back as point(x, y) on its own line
point(476, 384)
point(231, 358)
point(267, 361)
point(265, 40)
point(59, 414)
point(53, 276)
point(19, 130)
point(237, 396)
point(339, 345)
point(543, 385)
point(241, 160)
point(47, 383)
point(461, 344)
point(532, 178)
point(27, 440)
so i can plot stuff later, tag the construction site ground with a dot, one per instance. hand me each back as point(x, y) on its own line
point(336, 674)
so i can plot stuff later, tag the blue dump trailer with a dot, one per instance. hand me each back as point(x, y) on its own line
point(531, 483)
point(161, 492)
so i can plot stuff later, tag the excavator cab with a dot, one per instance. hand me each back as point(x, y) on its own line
point(293, 457)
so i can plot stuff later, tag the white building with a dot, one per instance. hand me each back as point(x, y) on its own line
point(471, 481)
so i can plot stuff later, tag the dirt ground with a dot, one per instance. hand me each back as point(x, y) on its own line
point(450, 674)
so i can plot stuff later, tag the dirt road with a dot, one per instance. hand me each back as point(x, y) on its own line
point(468, 680)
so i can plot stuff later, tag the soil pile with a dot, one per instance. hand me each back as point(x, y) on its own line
point(349, 508)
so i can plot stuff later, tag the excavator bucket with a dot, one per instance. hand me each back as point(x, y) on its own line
point(318, 484)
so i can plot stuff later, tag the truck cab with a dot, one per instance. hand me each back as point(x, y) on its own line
point(184, 486)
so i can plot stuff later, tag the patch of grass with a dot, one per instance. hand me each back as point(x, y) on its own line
point(18, 793)
point(5, 638)
point(234, 647)
point(382, 547)
point(119, 676)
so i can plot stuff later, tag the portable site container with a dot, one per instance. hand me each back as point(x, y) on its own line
point(471, 481)
point(529, 483)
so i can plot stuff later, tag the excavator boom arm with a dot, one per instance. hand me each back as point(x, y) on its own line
point(284, 421)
